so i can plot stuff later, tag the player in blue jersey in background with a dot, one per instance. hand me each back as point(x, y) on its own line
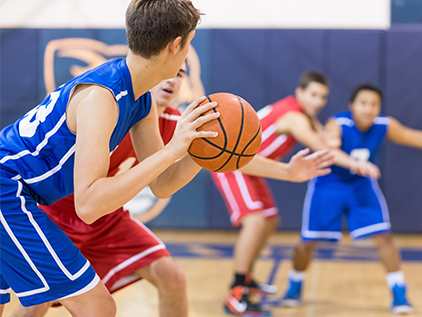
point(359, 132)
point(64, 145)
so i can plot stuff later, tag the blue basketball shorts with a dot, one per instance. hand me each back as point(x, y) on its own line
point(37, 260)
point(327, 201)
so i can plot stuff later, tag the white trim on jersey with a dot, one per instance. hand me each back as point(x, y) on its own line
point(345, 121)
point(382, 201)
point(120, 95)
point(171, 117)
point(273, 146)
point(230, 197)
point(22, 250)
point(54, 170)
point(5, 291)
point(244, 191)
point(46, 287)
point(87, 288)
point(265, 111)
point(136, 257)
point(370, 229)
point(268, 132)
point(270, 212)
point(39, 146)
point(382, 120)
point(306, 233)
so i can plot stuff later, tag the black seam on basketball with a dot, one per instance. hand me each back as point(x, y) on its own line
point(223, 149)
point(239, 135)
point(244, 149)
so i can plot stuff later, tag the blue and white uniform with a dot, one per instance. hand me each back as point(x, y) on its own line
point(329, 197)
point(38, 261)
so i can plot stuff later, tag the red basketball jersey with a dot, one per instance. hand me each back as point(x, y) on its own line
point(122, 159)
point(275, 146)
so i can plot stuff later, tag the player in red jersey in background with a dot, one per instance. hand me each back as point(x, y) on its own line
point(249, 199)
point(121, 249)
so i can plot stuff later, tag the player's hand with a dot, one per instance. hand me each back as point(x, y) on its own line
point(189, 122)
point(365, 169)
point(302, 168)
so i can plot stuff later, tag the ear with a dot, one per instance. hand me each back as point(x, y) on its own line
point(349, 105)
point(173, 45)
point(298, 91)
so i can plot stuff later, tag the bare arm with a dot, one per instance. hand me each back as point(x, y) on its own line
point(172, 178)
point(403, 135)
point(332, 137)
point(300, 168)
point(299, 126)
point(96, 115)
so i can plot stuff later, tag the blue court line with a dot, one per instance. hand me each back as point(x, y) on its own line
point(277, 252)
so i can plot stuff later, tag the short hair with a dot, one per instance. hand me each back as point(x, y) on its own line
point(312, 77)
point(366, 86)
point(152, 24)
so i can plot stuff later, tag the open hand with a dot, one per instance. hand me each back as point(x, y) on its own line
point(302, 168)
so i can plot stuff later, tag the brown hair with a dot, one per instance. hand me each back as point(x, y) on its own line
point(152, 24)
point(312, 77)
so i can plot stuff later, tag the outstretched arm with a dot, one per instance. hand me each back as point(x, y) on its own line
point(403, 135)
point(332, 137)
point(300, 168)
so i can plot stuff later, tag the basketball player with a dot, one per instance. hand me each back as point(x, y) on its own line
point(135, 252)
point(249, 199)
point(359, 132)
point(64, 145)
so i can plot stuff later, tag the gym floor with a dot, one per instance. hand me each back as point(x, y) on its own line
point(344, 280)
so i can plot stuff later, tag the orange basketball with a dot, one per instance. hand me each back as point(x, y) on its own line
point(239, 135)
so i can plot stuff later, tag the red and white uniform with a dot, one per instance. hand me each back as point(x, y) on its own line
point(116, 244)
point(245, 194)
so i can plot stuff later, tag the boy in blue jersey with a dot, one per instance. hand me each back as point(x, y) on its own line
point(359, 132)
point(64, 145)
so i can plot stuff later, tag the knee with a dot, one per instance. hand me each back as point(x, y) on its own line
point(384, 239)
point(168, 275)
point(109, 307)
point(308, 247)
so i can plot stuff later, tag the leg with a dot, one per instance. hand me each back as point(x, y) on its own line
point(388, 252)
point(96, 302)
point(1, 310)
point(170, 281)
point(31, 311)
point(303, 255)
point(254, 233)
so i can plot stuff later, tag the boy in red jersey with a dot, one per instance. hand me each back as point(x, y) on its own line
point(120, 248)
point(249, 199)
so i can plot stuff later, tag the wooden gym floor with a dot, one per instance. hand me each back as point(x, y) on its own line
point(343, 281)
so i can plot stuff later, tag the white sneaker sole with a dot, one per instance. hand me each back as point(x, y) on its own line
point(404, 309)
point(290, 303)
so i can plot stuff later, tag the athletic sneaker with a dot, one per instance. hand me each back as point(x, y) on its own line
point(262, 288)
point(238, 303)
point(293, 296)
point(259, 288)
point(400, 304)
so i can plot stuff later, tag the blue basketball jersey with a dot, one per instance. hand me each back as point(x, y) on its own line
point(360, 145)
point(40, 148)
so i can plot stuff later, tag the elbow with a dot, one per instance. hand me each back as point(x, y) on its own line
point(85, 214)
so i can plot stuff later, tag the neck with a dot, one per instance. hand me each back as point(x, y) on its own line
point(160, 109)
point(145, 73)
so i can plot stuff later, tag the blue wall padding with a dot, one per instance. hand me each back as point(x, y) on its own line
point(262, 66)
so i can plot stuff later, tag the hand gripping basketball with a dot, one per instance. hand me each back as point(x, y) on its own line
point(239, 135)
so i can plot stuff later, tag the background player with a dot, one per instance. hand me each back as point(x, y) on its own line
point(249, 199)
point(359, 132)
point(64, 144)
point(121, 249)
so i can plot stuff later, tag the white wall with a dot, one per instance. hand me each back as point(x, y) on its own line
point(350, 14)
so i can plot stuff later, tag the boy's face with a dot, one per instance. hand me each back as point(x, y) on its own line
point(365, 108)
point(312, 98)
point(165, 92)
